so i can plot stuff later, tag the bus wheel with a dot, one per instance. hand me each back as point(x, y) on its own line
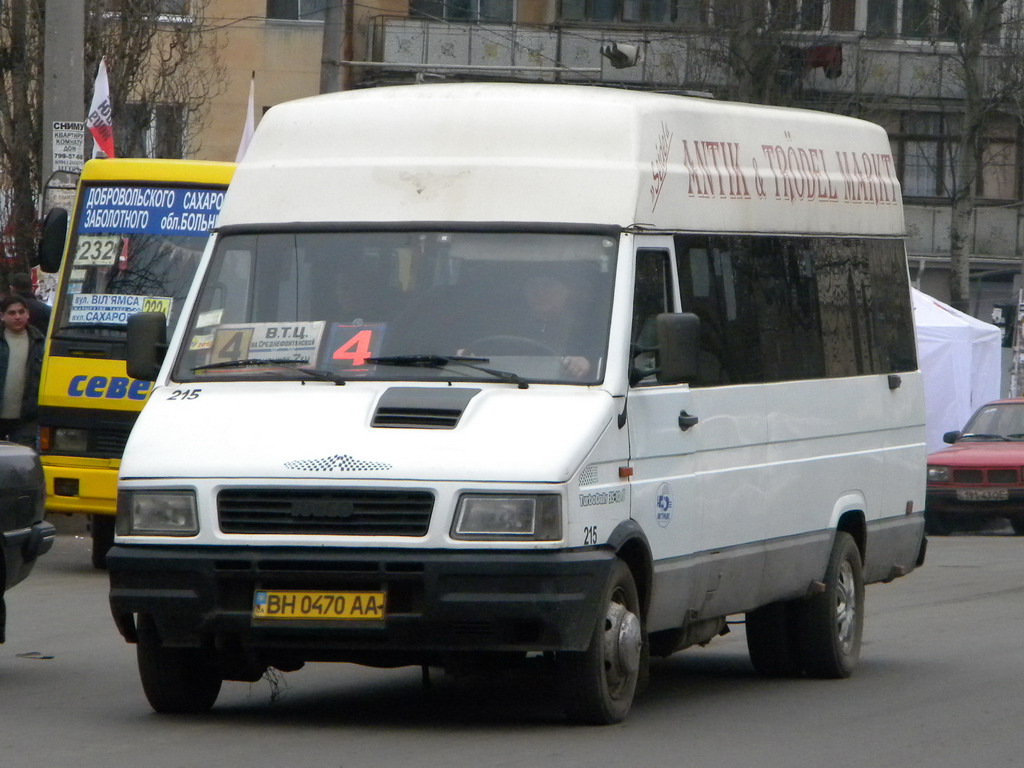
point(175, 680)
point(102, 528)
point(598, 684)
point(832, 621)
point(772, 632)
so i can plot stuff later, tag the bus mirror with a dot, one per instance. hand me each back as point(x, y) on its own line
point(678, 347)
point(51, 244)
point(147, 345)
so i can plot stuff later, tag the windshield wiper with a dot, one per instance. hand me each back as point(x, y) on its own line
point(252, 362)
point(443, 361)
point(247, 362)
point(983, 436)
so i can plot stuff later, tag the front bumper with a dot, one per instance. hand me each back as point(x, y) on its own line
point(80, 488)
point(22, 547)
point(944, 501)
point(438, 602)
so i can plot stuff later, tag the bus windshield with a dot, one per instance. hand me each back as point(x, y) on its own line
point(134, 248)
point(518, 306)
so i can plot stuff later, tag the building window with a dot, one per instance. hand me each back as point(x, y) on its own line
point(649, 11)
point(462, 10)
point(813, 15)
point(299, 10)
point(173, 7)
point(929, 18)
point(150, 131)
point(926, 146)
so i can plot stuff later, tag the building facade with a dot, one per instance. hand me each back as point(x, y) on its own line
point(892, 61)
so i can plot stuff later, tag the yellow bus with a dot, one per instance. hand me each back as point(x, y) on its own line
point(136, 235)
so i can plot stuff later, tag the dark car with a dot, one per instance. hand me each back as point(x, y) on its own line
point(981, 476)
point(24, 535)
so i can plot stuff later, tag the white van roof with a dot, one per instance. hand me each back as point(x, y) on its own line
point(560, 154)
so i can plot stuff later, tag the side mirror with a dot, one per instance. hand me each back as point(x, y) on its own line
point(53, 239)
point(679, 347)
point(147, 345)
point(951, 437)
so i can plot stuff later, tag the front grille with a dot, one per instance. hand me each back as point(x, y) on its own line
point(989, 476)
point(109, 441)
point(350, 512)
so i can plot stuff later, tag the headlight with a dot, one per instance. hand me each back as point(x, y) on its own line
point(157, 513)
point(509, 518)
point(70, 440)
point(938, 474)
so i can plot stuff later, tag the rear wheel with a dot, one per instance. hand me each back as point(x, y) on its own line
point(772, 633)
point(598, 684)
point(832, 622)
point(175, 680)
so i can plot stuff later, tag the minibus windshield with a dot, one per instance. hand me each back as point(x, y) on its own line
point(482, 306)
point(135, 248)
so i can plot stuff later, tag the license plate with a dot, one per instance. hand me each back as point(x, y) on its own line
point(982, 494)
point(320, 606)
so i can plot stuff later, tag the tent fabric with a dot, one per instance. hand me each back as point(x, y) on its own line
point(960, 358)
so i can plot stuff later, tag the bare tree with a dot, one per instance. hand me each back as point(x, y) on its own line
point(21, 57)
point(989, 64)
point(164, 70)
point(765, 49)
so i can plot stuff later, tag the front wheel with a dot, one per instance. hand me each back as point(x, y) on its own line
point(598, 684)
point(175, 680)
point(832, 621)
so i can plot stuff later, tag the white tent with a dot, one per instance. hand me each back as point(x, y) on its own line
point(960, 359)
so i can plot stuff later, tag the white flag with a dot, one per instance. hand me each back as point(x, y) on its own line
point(250, 121)
point(101, 116)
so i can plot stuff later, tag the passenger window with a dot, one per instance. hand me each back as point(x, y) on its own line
point(652, 294)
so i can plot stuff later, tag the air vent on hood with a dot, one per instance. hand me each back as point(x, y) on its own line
point(422, 407)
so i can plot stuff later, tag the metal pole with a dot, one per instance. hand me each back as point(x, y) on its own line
point(330, 52)
point(63, 79)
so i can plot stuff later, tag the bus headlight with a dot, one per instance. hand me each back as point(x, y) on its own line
point(157, 513)
point(67, 440)
point(535, 517)
point(938, 474)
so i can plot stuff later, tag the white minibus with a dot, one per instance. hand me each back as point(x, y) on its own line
point(481, 373)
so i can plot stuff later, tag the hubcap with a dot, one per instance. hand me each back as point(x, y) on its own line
point(846, 607)
point(621, 643)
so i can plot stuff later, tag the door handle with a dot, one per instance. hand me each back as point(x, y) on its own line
point(686, 420)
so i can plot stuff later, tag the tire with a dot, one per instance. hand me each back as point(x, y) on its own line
point(832, 622)
point(1017, 523)
point(772, 639)
point(175, 680)
point(598, 685)
point(102, 527)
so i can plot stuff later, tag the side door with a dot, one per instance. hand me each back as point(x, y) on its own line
point(664, 440)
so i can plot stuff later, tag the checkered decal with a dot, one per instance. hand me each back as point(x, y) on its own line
point(341, 462)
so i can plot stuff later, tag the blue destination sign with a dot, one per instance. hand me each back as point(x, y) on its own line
point(150, 210)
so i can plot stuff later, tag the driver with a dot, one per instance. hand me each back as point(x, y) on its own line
point(554, 320)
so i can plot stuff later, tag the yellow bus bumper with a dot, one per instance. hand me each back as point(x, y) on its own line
point(86, 486)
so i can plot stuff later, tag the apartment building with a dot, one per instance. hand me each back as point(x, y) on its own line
point(891, 61)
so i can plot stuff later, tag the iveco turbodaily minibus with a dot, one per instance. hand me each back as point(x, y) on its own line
point(478, 373)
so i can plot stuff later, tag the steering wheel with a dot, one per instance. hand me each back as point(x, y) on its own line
point(522, 341)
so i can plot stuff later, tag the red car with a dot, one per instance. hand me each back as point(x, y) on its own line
point(981, 476)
